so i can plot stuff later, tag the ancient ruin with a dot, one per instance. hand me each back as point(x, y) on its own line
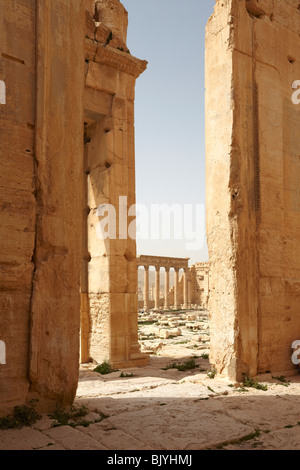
point(252, 184)
point(108, 276)
point(191, 289)
point(67, 90)
point(79, 85)
point(166, 263)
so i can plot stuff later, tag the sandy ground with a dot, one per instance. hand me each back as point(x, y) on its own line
point(162, 408)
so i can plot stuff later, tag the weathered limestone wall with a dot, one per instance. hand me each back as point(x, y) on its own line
point(110, 328)
point(55, 319)
point(277, 57)
point(41, 146)
point(17, 200)
point(253, 211)
point(69, 78)
point(199, 284)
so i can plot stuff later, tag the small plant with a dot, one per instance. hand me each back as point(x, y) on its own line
point(241, 390)
point(205, 356)
point(63, 417)
point(126, 375)
point(210, 389)
point(104, 368)
point(282, 380)
point(211, 374)
point(251, 383)
point(289, 426)
point(22, 416)
point(73, 417)
point(188, 365)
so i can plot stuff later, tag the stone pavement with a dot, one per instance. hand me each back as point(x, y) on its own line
point(157, 409)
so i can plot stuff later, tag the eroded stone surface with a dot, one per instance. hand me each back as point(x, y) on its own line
point(252, 161)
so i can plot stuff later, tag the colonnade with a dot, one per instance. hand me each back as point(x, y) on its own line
point(167, 263)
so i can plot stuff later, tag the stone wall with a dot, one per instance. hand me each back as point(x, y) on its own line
point(42, 65)
point(109, 271)
point(199, 284)
point(253, 204)
point(17, 197)
point(67, 147)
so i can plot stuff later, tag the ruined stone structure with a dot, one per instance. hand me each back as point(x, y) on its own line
point(109, 276)
point(41, 148)
point(253, 174)
point(64, 67)
point(199, 279)
point(191, 289)
point(167, 263)
point(67, 149)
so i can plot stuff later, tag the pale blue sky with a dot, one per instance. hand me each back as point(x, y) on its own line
point(169, 107)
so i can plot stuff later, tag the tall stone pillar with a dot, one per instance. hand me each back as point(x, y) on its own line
point(111, 73)
point(157, 287)
point(176, 305)
point(84, 276)
point(146, 288)
point(55, 300)
point(185, 288)
point(253, 172)
point(167, 287)
point(189, 293)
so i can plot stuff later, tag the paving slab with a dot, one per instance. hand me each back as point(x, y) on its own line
point(23, 439)
point(184, 426)
point(115, 439)
point(73, 439)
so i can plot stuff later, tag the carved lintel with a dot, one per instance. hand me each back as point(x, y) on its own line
point(120, 60)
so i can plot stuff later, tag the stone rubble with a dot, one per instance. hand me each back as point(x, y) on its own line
point(178, 328)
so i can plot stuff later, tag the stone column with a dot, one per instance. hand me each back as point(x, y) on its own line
point(157, 286)
point(167, 287)
point(146, 288)
point(55, 297)
point(84, 275)
point(185, 288)
point(189, 293)
point(206, 288)
point(176, 306)
point(109, 113)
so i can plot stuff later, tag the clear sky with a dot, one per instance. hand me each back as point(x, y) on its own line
point(169, 110)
